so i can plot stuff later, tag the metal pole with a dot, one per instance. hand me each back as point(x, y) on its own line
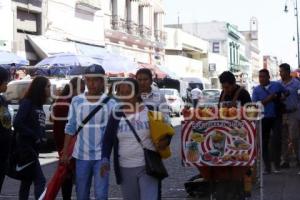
point(297, 20)
point(259, 135)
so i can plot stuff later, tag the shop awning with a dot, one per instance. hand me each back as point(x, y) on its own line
point(46, 47)
point(156, 71)
point(90, 50)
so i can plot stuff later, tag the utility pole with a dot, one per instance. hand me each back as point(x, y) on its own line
point(297, 21)
point(297, 24)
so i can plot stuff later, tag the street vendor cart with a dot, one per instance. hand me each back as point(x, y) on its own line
point(223, 142)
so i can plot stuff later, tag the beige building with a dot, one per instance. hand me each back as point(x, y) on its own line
point(271, 63)
point(36, 29)
point(252, 48)
point(183, 53)
point(135, 29)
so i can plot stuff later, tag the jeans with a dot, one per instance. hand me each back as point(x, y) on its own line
point(85, 171)
point(290, 134)
point(138, 185)
point(274, 125)
point(66, 187)
point(39, 184)
point(195, 103)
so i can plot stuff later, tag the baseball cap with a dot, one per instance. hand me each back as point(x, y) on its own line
point(94, 69)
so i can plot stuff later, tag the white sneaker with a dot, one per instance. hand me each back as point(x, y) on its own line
point(277, 171)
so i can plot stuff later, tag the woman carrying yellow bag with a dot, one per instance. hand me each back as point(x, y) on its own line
point(161, 132)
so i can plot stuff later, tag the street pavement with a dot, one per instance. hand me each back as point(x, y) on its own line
point(282, 186)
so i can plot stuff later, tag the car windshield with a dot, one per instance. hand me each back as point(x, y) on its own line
point(167, 92)
point(211, 93)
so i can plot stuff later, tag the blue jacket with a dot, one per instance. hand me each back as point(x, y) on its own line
point(110, 141)
point(30, 122)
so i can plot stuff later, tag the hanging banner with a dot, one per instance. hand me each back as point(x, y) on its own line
point(218, 143)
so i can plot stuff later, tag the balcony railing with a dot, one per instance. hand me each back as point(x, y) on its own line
point(132, 28)
point(145, 32)
point(89, 5)
point(118, 24)
point(160, 36)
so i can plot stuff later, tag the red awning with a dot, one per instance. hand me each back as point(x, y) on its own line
point(158, 73)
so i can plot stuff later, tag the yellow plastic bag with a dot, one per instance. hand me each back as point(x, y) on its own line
point(160, 129)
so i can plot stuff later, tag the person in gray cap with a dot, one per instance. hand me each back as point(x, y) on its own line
point(87, 149)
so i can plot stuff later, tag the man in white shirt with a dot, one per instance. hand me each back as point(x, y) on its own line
point(153, 98)
point(196, 96)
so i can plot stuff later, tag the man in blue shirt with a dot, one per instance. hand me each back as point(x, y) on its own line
point(290, 132)
point(269, 94)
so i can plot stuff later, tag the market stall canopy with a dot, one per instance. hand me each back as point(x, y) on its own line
point(116, 64)
point(8, 59)
point(158, 73)
point(66, 64)
point(45, 47)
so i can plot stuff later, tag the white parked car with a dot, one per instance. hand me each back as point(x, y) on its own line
point(210, 96)
point(174, 100)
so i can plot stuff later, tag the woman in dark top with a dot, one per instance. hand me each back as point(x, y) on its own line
point(30, 126)
point(59, 118)
point(5, 124)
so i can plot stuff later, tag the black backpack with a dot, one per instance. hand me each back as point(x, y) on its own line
point(22, 161)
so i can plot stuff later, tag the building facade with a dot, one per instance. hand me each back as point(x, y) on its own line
point(183, 53)
point(70, 26)
point(26, 19)
point(271, 63)
point(229, 49)
point(252, 48)
point(135, 29)
point(6, 33)
point(37, 29)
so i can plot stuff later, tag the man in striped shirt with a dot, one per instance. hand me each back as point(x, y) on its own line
point(87, 150)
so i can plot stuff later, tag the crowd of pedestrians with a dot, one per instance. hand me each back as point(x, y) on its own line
point(99, 124)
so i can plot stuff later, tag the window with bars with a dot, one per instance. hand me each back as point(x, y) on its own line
point(216, 47)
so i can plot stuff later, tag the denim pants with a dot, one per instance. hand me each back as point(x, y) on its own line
point(138, 185)
point(85, 171)
point(271, 140)
point(39, 184)
point(290, 133)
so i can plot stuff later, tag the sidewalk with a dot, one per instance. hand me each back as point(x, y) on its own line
point(281, 186)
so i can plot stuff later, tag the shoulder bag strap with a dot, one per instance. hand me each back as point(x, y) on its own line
point(236, 95)
point(222, 97)
point(133, 130)
point(94, 111)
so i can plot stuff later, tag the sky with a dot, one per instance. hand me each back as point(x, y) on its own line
point(276, 28)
